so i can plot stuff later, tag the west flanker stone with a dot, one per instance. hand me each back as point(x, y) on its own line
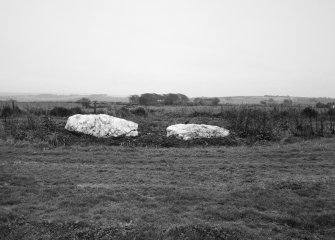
point(101, 125)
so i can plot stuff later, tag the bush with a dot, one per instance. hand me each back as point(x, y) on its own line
point(64, 112)
point(7, 112)
point(122, 112)
point(85, 102)
point(76, 110)
point(139, 111)
point(309, 112)
point(331, 112)
point(37, 111)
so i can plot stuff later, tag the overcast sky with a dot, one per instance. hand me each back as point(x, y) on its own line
point(199, 48)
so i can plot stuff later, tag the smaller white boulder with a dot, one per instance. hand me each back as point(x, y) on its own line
point(101, 125)
point(193, 131)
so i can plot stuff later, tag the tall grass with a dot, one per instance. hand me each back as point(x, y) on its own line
point(258, 123)
point(247, 124)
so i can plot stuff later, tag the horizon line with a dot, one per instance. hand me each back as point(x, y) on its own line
point(126, 96)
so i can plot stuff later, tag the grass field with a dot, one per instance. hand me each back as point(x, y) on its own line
point(108, 192)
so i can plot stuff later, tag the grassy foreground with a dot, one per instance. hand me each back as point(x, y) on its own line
point(109, 192)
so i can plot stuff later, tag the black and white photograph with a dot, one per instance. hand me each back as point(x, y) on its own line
point(167, 119)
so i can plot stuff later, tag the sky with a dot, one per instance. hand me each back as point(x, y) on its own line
point(194, 47)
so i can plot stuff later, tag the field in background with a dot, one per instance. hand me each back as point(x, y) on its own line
point(44, 106)
point(107, 98)
point(59, 98)
point(106, 192)
point(276, 99)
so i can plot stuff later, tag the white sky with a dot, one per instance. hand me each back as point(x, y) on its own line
point(195, 47)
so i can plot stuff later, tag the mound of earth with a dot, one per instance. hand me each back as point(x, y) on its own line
point(193, 131)
point(101, 125)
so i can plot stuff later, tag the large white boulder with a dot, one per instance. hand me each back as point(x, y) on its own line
point(101, 125)
point(192, 131)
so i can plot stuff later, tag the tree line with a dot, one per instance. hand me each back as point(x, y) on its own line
point(170, 99)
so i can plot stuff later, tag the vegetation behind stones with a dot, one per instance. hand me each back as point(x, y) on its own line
point(248, 124)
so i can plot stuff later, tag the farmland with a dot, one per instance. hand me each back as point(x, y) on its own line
point(272, 178)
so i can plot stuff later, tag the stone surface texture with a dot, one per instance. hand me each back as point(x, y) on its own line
point(101, 125)
point(193, 131)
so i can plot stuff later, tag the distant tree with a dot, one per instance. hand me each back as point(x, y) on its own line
point(151, 99)
point(321, 105)
point(175, 99)
point(287, 102)
point(166, 99)
point(134, 99)
point(171, 99)
point(85, 102)
point(183, 98)
point(263, 102)
point(215, 101)
point(198, 101)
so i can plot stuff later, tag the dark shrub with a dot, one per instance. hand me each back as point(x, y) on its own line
point(85, 102)
point(134, 99)
point(139, 111)
point(122, 112)
point(37, 111)
point(64, 112)
point(7, 112)
point(60, 112)
point(309, 112)
point(331, 112)
point(76, 110)
point(203, 114)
